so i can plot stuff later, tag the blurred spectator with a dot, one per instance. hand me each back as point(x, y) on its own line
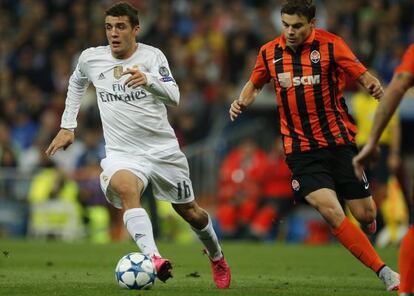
point(8, 160)
point(240, 188)
point(54, 208)
point(31, 159)
point(95, 213)
point(277, 197)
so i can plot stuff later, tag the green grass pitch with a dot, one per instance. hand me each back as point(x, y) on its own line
point(56, 268)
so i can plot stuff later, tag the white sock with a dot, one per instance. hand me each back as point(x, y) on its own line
point(139, 227)
point(208, 237)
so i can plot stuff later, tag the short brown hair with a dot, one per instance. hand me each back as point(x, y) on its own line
point(305, 8)
point(124, 9)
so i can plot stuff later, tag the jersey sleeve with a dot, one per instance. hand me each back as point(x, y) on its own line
point(260, 75)
point(346, 60)
point(160, 81)
point(407, 63)
point(78, 83)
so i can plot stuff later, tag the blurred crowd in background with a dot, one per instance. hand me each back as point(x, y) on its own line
point(211, 47)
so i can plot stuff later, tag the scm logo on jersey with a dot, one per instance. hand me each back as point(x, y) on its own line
point(286, 80)
point(306, 80)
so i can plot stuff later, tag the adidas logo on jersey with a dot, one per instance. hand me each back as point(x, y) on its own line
point(101, 76)
point(138, 236)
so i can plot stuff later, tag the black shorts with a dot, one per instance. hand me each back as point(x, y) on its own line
point(380, 172)
point(327, 168)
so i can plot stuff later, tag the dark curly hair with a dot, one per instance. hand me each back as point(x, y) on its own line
point(124, 9)
point(300, 7)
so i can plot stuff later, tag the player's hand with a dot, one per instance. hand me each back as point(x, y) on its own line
point(236, 108)
point(136, 79)
point(375, 88)
point(367, 154)
point(63, 139)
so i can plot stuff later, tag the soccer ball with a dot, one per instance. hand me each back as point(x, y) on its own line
point(135, 271)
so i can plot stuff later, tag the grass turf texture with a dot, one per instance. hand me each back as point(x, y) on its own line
point(55, 268)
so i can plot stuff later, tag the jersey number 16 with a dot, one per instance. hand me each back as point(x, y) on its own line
point(183, 190)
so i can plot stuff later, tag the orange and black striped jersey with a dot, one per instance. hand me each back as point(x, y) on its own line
point(407, 63)
point(309, 85)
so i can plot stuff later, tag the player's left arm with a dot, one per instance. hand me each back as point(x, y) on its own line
point(393, 95)
point(259, 77)
point(158, 81)
point(347, 61)
point(371, 84)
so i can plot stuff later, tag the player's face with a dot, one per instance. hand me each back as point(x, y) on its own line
point(296, 28)
point(121, 36)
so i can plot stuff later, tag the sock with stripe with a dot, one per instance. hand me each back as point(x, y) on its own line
point(352, 238)
point(139, 227)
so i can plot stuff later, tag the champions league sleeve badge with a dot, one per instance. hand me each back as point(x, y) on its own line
point(118, 72)
point(164, 71)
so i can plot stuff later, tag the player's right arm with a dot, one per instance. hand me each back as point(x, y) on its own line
point(259, 77)
point(246, 98)
point(78, 83)
point(63, 140)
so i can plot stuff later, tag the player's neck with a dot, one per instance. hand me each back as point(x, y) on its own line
point(293, 48)
point(127, 54)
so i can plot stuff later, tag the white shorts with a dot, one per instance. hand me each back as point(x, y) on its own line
point(169, 176)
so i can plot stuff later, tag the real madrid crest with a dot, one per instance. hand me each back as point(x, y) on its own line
point(315, 56)
point(118, 72)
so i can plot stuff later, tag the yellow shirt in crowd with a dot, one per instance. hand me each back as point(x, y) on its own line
point(364, 107)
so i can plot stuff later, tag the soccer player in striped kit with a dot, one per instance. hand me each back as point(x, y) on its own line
point(403, 80)
point(307, 67)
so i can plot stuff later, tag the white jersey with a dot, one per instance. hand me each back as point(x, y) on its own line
point(134, 120)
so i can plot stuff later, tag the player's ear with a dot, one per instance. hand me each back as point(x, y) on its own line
point(136, 29)
point(313, 23)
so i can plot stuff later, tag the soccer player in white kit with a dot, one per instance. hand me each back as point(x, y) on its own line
point(133, 84)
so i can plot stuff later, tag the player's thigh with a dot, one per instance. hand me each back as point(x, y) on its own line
point(125, 182)
point(130, 172)
point(347, 185)
point(326, 202)
point(170, 179)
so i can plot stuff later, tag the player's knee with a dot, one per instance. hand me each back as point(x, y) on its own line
point(332, 215)
point(369, 215)
point(126, 190)
point(365, 214)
